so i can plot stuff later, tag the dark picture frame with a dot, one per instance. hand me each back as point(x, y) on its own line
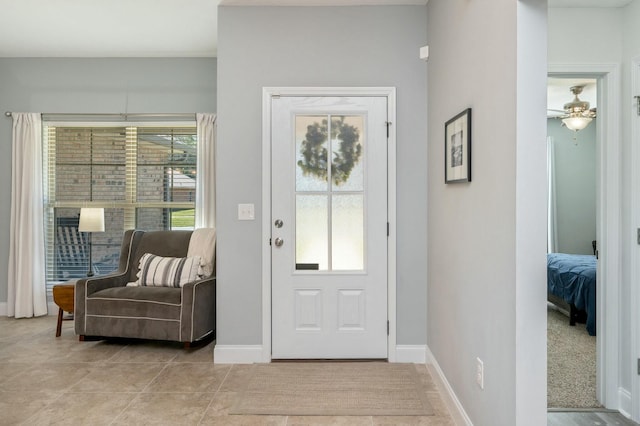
point(457, 148)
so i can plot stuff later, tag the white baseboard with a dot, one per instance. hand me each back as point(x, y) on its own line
point(625, 405)
point(454, 405)
point(415, 354)
point(3, 309)
point(237, 354)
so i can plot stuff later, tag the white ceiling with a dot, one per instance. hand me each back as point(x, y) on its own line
point(108, 28)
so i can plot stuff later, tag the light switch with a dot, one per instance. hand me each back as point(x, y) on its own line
point(246, 212)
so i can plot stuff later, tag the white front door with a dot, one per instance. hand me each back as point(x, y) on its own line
point(329, 227)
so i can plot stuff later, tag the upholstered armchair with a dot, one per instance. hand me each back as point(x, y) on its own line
point(168, 299)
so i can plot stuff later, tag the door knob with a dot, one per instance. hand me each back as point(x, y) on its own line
point(279, 242)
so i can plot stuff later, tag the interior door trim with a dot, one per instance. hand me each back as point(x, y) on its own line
point(608, 202)
point(634, 408)
point(267, 94)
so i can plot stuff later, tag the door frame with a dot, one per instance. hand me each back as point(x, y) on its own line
point(267, 94)
point(635, 249)
point(608, 205)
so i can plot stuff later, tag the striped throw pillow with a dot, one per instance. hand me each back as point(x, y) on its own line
point(157, 271)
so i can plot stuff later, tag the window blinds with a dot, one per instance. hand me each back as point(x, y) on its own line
point(143, 176)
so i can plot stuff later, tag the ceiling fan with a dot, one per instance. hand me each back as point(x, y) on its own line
point(576, 114)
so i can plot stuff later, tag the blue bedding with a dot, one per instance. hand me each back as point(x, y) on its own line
point(573, 278)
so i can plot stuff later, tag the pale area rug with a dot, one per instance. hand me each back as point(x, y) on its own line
point(334, 388)
point(571, 363)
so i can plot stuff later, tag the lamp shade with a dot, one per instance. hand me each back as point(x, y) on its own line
point(91, 219)
point(576, 123)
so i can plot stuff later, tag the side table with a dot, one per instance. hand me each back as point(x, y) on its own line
point(63, 296)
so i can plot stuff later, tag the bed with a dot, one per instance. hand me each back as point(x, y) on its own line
point(571, 279)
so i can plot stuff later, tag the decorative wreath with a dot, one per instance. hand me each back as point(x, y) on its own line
point(315, 156)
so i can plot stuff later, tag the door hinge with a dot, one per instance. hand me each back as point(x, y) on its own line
point(388, 123)
point(388, 331)
point(638, 366)
point(387, 229)
point(637, 104)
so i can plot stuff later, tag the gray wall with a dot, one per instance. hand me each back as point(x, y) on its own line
point(314, 46)
point(94, 85)
point(486, 238)
point(575, 162)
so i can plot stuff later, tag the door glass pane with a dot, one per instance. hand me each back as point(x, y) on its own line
point(329, 217)
point(347, 232)
point(311, 153)
point(347, 143)
point(312, 240)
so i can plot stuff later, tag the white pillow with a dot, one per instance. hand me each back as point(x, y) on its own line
point(157, 271)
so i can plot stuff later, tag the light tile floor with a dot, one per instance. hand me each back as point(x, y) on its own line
point(46, 380)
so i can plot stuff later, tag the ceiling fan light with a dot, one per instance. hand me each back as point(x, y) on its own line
point(576, 123)
point(578, 115)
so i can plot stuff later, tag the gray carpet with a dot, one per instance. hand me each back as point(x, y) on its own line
point(571, 363)
point(336, 389)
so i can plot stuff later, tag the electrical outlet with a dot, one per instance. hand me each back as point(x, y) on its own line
point(480, 373)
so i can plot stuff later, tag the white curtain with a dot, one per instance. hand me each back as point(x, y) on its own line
point(206, 181)
point(552, 226)
point(27, 295)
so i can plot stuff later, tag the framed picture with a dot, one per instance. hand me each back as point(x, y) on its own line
point(457, 148)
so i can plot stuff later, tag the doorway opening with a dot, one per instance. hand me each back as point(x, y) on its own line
point(572, 244)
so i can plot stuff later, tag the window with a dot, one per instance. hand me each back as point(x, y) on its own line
point(144, 176)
